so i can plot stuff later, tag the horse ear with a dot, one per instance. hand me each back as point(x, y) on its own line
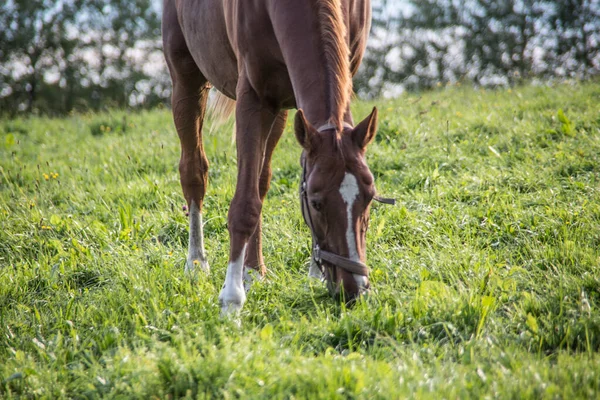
point(364, 133)
point(304, 131)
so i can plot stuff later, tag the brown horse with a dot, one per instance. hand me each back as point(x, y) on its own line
point(270, 56)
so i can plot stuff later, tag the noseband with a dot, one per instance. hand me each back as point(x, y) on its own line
point(319, 255)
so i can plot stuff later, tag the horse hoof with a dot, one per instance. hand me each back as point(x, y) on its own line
point(193, 265)
point(230, 309)
point(250, 276)
point(231, 300)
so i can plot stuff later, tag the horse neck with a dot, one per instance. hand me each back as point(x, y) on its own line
point(315, 51)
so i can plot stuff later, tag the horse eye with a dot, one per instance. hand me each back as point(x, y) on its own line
point(317, 205)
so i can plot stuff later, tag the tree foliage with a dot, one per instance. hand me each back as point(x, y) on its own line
point(488, 42)
point(60, 55)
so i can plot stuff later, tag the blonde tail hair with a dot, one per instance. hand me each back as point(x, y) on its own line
point(220, 109)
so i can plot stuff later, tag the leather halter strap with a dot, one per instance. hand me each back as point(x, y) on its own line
point(354, 267)
point(329, 126)
point(318, 255)
point(385, 200)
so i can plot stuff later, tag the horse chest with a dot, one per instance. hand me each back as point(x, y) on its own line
point(272, 84)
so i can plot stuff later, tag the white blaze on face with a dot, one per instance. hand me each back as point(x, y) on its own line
point(349, 191)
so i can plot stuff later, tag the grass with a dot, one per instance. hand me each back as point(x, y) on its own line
point(485, 276)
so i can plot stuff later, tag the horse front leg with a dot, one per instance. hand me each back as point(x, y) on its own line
point(254, 266)
point(253, 125)
point(189, 103)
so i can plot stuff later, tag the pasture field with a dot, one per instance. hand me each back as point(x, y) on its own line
point(485, 275)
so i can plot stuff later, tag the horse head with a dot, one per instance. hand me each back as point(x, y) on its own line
point(336, 194)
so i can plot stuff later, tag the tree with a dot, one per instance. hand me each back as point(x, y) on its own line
point(489, 42)
point(32, 35)
point(577, 26)
point(64, 54)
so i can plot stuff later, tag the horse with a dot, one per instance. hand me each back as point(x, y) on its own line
point(270, 56)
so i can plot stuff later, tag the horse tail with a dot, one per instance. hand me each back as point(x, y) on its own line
point(220, 109)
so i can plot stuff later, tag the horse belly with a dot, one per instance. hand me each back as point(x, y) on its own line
point(205, 32)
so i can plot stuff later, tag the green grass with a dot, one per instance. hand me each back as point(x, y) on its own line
point(485, 276)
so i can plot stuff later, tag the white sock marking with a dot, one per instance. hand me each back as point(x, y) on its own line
point(196, 253)
point(233, 295)
point(349, 191)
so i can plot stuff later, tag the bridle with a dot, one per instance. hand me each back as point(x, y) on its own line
point(319, 255)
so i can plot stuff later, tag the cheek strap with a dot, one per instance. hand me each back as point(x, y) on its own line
point(385, 200)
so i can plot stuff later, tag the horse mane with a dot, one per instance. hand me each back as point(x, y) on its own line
point(337, 58)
